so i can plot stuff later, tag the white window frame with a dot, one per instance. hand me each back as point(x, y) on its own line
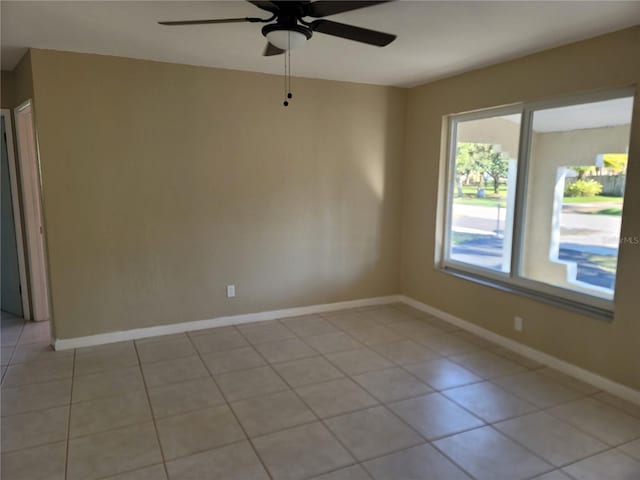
point(513, 281)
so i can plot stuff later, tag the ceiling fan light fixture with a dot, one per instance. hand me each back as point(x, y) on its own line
point(286, 37)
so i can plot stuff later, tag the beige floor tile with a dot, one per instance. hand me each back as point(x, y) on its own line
point(355, 472)
point(35, 396)
point(357, 323)
point(536, 388)
point(475, 339)
point(335, 397)
point(250, 383)
point(414, 312)
point(173, 371)
point(107, 413)
point(233, 360)
point(418, 463)
point(489, 455)
point(37, 352)
point(105, 358)
point(442, 373)
point(307, 371)
point(6, 353)
point(555, 475)
point(448, 344)
point(515, 357)
point(434, 416)
point(105, 384)
point(197, 431)
point(113, 349)
point(308, 325)
point(285, 350)
point(39, 463)
point(624, 405)
point(219, 341)
point(38, 372)
point(301, 452)
point(489, 402)
point(555, 441)
point(405, 352)
point(11, 332)
point(632, 448)
point(569, 381)
point(372, 432)
point(265, 332)
point(609, 465)
point(271, 413)
point(358, 361)
point(347, 319)
point(35, 332)
point(486, 364)
point(184, 397)
point(375, 335)
point(34, 428)
point(416, 329)
point(233, 462)
point(332, 342)
point(388, 315)
point(206, 331)
point(162, 351)
point(604, 422)
point(113, 452)
point(161, 338)
point(441, 324)
point(392, 384)
point(154, 472)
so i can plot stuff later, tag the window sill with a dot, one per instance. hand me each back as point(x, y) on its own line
point(577, 307)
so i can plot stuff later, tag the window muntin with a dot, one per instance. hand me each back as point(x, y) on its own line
point(554, 241)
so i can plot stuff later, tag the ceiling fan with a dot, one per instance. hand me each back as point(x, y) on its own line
point(287, 28)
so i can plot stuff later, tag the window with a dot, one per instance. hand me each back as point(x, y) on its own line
point(535, 195)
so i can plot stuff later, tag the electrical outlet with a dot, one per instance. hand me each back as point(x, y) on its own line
point(231, 291)
point(518, 324)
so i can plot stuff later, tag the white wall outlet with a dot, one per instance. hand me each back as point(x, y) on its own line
point(518, 323)
point(231, 291)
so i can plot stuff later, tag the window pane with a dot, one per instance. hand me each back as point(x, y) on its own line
point(483, 191)
point(576, 179)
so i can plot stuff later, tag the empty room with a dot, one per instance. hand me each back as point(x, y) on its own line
point(320, 240)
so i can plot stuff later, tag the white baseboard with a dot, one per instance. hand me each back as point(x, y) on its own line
point(136, 333)
point(591, 378)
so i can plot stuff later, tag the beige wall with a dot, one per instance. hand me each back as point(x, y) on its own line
point(7, 87)
point(163, 183)
point(608, 348)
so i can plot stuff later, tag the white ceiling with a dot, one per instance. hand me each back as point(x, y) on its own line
point(435, 39)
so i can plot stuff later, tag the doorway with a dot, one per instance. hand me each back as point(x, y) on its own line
point(32, 211)
point(13, 281)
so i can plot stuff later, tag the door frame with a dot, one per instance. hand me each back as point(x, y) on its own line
point(31, 183)
point(17, 212)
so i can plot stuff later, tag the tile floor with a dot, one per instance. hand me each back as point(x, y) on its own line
point(380, 393)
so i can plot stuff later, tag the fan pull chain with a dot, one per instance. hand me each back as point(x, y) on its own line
point(285, 80)
point(287, 73)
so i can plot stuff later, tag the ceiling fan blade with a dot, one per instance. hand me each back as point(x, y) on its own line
point(324, 8)
point(350, 32)
point(268, 6)
point(271, 50)
point(213, 21)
